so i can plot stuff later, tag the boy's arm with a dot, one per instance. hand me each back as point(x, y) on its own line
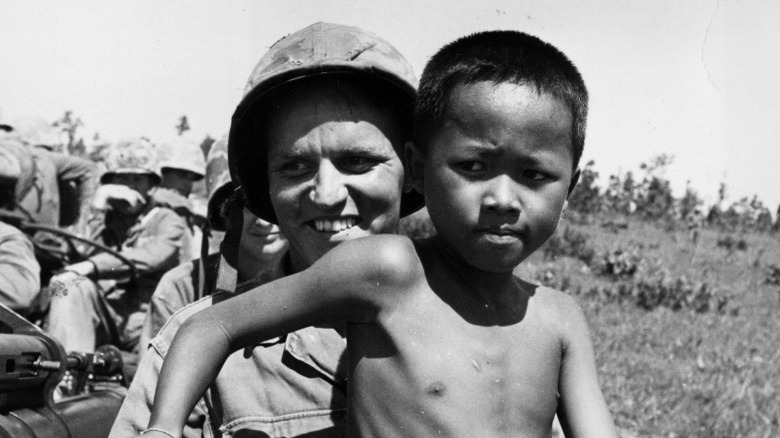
point(583, 411)
point(134, 413)
point(352, 282)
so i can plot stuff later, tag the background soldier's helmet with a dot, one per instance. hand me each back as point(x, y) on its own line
point(17, 167)
point(218, 185)
point(136, 155)
point(36, 131)
point(4, 126)
point(17, 171)
point(317, 50)
point(183, 154)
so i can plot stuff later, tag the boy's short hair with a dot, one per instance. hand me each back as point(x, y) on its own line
point(499, 56)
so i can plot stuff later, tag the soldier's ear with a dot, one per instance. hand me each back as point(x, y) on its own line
point(415, 165)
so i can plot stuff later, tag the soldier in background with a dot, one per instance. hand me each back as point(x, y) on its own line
point(52, 188)
point(693, 221)
point(94, 301)
point(181, 166)
point(260, 250)
point(19, 270)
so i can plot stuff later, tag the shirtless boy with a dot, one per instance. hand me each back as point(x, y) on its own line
point(443, 339)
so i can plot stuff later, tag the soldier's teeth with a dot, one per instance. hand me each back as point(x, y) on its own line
point(334, 225)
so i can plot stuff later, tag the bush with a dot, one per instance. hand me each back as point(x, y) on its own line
point(731, 244)
point(677, 294)
point(661, 290)
point(621, 264)
point(650, 287)
point(571, 243)
point(586, 196)
point(773, 275)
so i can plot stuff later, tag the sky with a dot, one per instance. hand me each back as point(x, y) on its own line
point(696, 79)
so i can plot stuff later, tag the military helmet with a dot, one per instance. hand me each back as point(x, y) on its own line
point(218, 185)
point(36, 131)
point(17, 168)
point(318, 50)
point(134, 155)
point(4, 126)
point(180, 153)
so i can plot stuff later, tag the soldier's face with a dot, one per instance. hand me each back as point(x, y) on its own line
point(261, 239)
point(179, 180)
point(139, 182)
point(333, 172)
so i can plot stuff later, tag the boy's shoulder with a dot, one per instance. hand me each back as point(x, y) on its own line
point(386, 255)
point(555, 307)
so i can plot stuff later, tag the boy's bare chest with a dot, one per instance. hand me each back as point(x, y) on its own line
point(466, 374)
point(477, 358)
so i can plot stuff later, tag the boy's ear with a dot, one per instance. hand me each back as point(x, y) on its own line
point(415, 163)
point(574, 179)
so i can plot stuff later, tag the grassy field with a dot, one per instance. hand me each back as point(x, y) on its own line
point(678, 373)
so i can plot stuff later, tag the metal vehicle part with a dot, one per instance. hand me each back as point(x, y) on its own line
point(31, 366)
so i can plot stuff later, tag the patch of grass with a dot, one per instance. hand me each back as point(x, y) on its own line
point(682, 373)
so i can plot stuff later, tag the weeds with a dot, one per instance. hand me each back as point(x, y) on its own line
point(621, 264)
point(731, 244)
point(773, 275)
point(678, 294)
point(650, 289)
point(571, 243)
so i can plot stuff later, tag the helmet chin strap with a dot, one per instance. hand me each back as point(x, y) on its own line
point(227, 273)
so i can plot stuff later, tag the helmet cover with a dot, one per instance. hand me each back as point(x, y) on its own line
point(135, 155)
point(317, 50)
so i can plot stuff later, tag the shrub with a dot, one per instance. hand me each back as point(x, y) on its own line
point(571, 243)
point(586, 197)
point(661, 290)
point(745, 215)
point(731, 244)
point(654, 198)
point(690, 202)
point(621, 193)
point(677, 294)
point(612, 293)
point(621, 264)
point(773, 275)
point(552, 276)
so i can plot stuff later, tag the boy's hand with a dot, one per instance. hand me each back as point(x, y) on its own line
point(120, 197)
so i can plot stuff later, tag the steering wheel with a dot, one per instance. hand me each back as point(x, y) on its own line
point(71, 237)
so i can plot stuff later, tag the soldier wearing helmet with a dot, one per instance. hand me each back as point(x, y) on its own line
point(181, 166)
point(96, 301)
point(260, 250)
point(53, 188)
point(19, 270)
point(313, 147)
